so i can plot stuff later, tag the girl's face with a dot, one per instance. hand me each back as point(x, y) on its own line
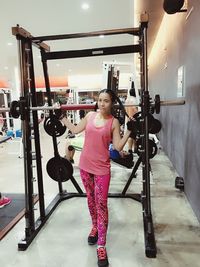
point(104, 103)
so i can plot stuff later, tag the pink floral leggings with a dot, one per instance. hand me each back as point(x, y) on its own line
point(96, 187)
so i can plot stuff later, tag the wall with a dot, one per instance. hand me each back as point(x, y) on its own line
point(177, 44)
point(95, 81)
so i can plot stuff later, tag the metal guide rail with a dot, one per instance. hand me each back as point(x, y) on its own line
point(15, 106)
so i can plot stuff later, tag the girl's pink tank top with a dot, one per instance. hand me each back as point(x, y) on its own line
point(94, 157)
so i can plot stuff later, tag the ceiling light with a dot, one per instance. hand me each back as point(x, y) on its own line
point(101, 36)
point(9, 44)
point(85, 6)
point(6, 68)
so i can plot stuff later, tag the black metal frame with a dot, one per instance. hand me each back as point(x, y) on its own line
point(28, 99)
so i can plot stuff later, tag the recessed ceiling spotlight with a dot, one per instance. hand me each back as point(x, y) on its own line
point(85, 6)
point(101, 36)
point(9, 44)
point(57, 65)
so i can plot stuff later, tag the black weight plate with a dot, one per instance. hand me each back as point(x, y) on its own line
point(155, 126)
point(14, 109)
point(59, 169)
point(152, 148)
point(172, 6)
point(138, 123)
point(53, 126)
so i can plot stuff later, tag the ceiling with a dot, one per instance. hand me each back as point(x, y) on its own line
point(49, 17)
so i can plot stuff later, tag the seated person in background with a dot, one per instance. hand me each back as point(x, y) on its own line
point(69, 152)
point(70, 135)
point(123, 158)
point(4, 201)
point(131, 111)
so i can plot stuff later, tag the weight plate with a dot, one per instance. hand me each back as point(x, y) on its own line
point(53, 126)
point(59, 169)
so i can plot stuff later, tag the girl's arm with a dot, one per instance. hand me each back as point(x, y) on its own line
point(117, 141)
point(75, 129)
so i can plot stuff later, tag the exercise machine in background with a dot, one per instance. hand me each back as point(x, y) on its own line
point(28, 103)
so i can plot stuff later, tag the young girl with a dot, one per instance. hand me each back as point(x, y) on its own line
point(100, 129)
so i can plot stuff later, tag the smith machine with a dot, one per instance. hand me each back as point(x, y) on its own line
point(27, 108)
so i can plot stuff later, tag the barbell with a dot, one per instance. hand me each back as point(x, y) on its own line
point(18, 107)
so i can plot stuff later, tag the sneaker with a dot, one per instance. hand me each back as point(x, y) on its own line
point(102, 257)
point(4, 201)
point(93, 236)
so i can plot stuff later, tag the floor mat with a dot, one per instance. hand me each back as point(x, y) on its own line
point(12, 213)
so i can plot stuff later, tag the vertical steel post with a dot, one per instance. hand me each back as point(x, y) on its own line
point(48, 90)
point(36, 134)
point(23, 49)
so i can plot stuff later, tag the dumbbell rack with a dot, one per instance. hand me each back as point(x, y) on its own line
point(28, 99)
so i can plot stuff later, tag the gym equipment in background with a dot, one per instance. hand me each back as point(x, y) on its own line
point(28, 104)
point(179, 183)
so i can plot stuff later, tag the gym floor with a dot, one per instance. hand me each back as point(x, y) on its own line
point(63, 240)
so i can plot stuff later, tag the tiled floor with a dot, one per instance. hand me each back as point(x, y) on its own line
point(63, 240)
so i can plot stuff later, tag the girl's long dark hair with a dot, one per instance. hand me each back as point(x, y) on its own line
point(114, 99)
